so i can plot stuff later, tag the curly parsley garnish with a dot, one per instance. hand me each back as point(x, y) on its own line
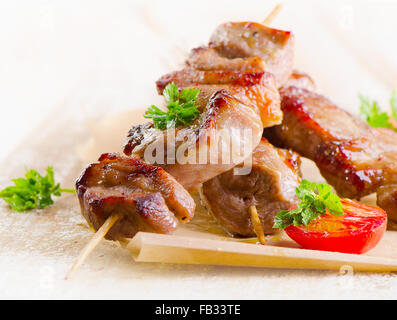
point(181, 107)
point(373, 114)
point(33, 191)
point(315, 198)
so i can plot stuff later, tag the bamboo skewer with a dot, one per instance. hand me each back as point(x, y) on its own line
point(194, 249)
point(272, 14)
point(256, 223)
point(96, 239)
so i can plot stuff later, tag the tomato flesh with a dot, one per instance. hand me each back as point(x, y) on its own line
point(358, 231)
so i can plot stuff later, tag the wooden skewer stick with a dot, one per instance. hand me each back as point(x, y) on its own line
point(256, 222)
point(272, 14)
point(96, 239)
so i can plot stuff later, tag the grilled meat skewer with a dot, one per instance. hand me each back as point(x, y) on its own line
point(144, 196)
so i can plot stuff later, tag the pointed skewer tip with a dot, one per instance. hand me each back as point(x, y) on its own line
point(272, 14)
point(93, 243)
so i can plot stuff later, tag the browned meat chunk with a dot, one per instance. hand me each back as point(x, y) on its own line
point(311, 120)
point(146, 197)
point(249, 39)
point(222, 114)
point(253, 88)
point(270, 187)
point(354, 158)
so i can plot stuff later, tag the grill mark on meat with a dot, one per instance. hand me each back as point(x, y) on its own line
point(146, 197)
point(136, 136)
point(337, 167)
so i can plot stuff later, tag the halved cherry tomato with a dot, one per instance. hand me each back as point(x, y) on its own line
point(359, 230)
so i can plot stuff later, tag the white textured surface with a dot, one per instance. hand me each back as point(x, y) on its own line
point(81, 59)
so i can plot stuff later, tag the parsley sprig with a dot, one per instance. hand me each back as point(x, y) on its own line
point(315, 198)
point(33, 191)
point(373, 114)
point(181, 107)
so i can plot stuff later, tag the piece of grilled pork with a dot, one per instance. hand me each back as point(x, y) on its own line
point(249, 39)
point(270, 187)
point(353, 157)
point(186, 152)
point(146, 197)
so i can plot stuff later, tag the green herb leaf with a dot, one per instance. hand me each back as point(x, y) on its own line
point(171, 93)
point(393, 104)
point(189, 95)
point(33, 191)
point(283, 219)
point(372, 113)
point(182, 110)
point(316, 199)
point(308, 214)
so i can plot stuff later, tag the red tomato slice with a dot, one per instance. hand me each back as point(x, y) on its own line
point(358, 231)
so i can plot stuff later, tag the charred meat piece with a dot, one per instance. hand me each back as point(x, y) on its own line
point(146, 197)
point(354, 158)
point(186, 152)
point(311, 120)
point(257, 89)
point(359, 166)
point(270, 187)
point(249, 39)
